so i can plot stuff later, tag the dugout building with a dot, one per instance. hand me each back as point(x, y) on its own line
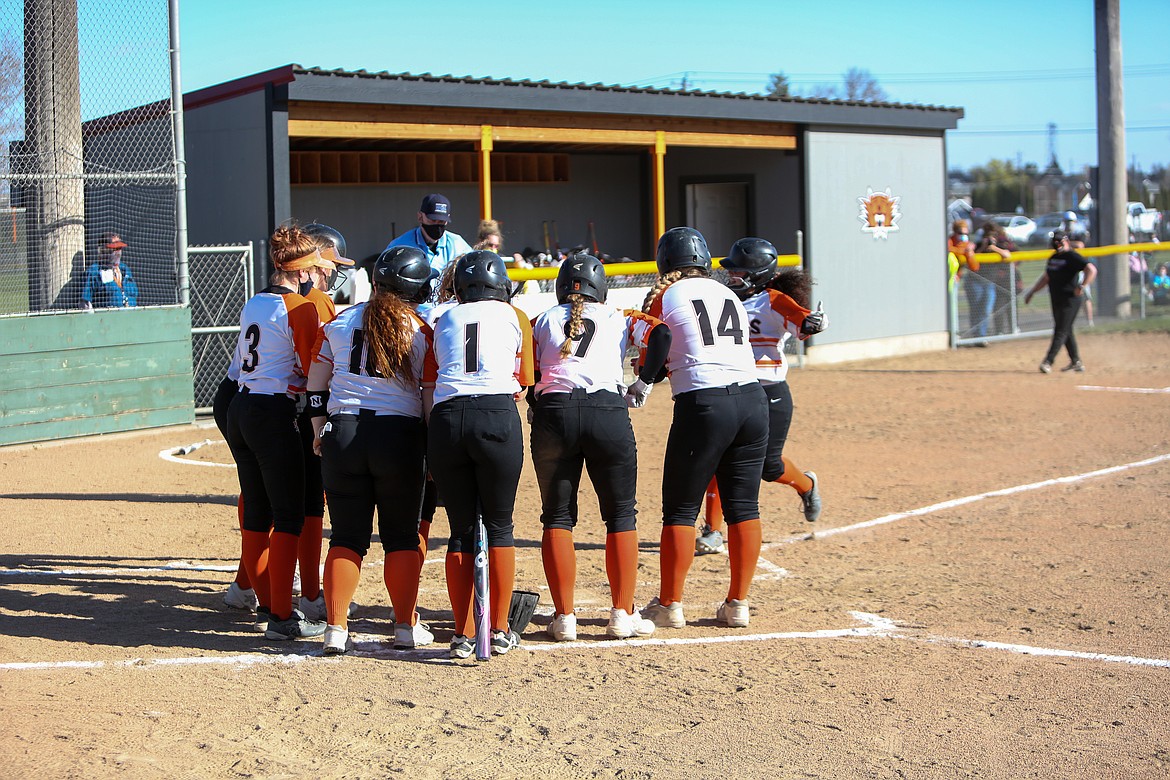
point(860, 186)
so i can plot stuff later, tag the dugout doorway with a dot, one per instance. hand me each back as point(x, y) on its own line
point(719, 209)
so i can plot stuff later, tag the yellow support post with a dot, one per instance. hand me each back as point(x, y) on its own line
point(485, 172)
point(659, 188)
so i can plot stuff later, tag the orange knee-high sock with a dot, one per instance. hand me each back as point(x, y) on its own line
point(254, 555)
point(343, 569)
point(794, 477)
point(621, 567)
point(309, 555)
point(713, 512)
point(424, 538)
point(502, 576)
point(460, 590)
point(743, 548)
point(282, 564)
point(242, 580)
point(401, 576)
point(560, 567)
point(677, 553)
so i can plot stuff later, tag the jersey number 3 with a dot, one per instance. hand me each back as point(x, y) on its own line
point(252, 359)
point(729, 324)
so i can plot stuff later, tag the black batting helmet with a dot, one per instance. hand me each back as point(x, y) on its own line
point(756, 259)
point(682, 247)
point(481, 276)
point(404, 271)
point(584, 274)
point(331, 236)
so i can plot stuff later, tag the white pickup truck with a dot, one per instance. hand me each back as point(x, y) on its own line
point(1143, 223)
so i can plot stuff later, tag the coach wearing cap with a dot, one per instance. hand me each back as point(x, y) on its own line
point(431, 236)
point(108, 282)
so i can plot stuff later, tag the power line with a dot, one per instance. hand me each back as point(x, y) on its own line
point(1063, 130)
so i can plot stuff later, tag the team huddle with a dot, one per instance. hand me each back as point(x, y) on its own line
point(410, 400)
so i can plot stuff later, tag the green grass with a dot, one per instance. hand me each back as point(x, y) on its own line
point(1155, 322)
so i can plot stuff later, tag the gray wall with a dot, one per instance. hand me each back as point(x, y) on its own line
point(604, 188)
point(776, 215)
point(873, 287)
point(228, 191)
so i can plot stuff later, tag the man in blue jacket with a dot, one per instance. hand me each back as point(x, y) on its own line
point(431, 236)
point(108, 282)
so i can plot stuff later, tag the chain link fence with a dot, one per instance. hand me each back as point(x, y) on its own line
point(222, 281)
point(87, 156)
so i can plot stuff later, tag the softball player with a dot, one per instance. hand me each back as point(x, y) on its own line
point(279, 331)
point(482, 359)
point(720, 424)
point(368, 378)
point(580, 419)
point(777, 308)
point(324, 279)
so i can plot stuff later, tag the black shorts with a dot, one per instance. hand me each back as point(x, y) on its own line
point(475, 451)
point(373, 461)
point(263, 437)
point(779, 421)
point(591, 430)
point(720, 432)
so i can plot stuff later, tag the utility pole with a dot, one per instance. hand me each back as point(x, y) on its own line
point(1113, 289)
point(53, 132)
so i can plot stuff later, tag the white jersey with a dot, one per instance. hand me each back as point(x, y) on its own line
point(773, 319)
point(356, 385)
point(481, 348)
point(431, 312)
point(279, 335)
point(709, 341)
point(596, 360)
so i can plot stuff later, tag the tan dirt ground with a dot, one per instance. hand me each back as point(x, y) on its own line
point(871, 652)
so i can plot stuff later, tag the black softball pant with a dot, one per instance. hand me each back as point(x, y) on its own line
point(720, 432)
point(475, 452)
point(373, 462)
point(779, 421)
point(263, 437)
point(1064, 314)
point(314, 487)
point(223, 399)
point(592, 430)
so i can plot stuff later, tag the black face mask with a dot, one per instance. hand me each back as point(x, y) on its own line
point(304, 287)
point(434, 232)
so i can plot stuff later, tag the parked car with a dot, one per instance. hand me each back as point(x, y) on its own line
point(1018, 227)
point(1143, 223)
point(1045, 225)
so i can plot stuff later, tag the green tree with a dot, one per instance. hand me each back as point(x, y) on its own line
point(778, 85)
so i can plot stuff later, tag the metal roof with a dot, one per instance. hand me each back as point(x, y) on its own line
point(425, 89)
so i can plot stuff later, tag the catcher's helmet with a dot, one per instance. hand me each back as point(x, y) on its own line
point(324, 233)
point(481, 276)
point(584, 274)
point(682, 247)
point(404, 271)
point(756, 259)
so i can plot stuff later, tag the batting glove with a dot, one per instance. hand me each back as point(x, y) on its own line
point(637, 394)
point(814, 322)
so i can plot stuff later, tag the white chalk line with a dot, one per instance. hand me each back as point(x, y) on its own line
point(956, 502)
point(1103, 389)
point(171, 454)
point(378, 647)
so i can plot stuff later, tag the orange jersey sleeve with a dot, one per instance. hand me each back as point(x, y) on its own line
point(326, 310)
point(306, 330)
point(430, 366)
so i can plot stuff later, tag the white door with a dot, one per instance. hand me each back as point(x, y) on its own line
point(718, 210)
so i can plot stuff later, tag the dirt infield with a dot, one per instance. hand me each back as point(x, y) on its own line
point(962, 610)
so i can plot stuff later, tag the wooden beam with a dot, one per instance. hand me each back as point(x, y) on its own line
point(316, 128)
point(485, 172)
point(659, 188)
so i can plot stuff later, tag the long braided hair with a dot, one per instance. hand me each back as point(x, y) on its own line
point(576, 327)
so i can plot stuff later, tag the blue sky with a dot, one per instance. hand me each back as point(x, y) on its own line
point(1014, 67)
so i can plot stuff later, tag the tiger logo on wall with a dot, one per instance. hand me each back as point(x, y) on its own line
point(880, 213)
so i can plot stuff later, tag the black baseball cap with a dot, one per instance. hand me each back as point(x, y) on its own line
point(1058, 236)
point(436, 207)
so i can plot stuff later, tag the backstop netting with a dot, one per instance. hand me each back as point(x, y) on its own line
point(87, 156)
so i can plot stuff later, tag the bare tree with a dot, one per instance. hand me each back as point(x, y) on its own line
point(11, 94)
point(860, 85)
